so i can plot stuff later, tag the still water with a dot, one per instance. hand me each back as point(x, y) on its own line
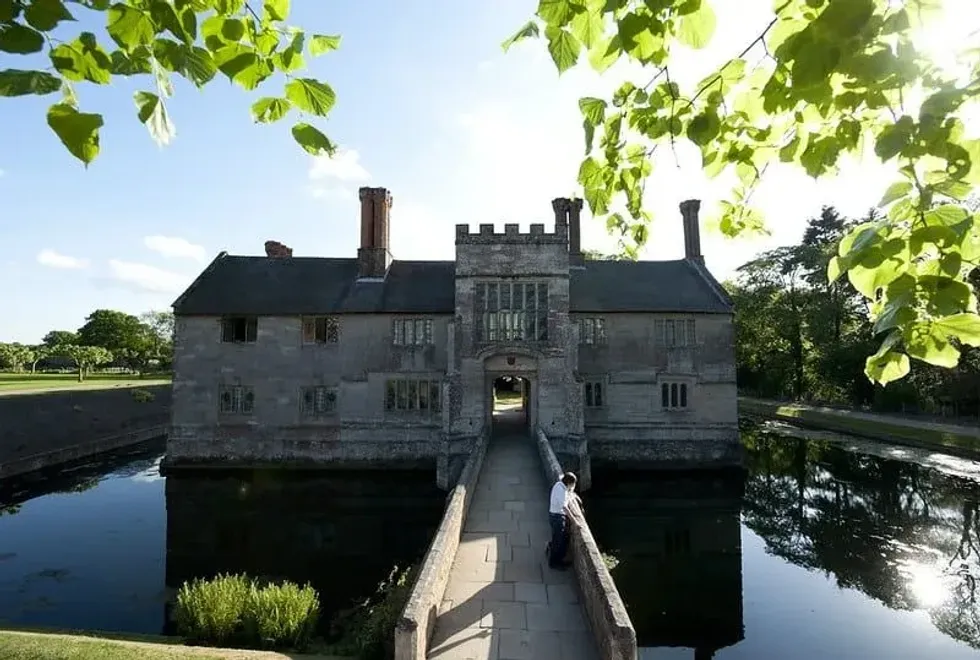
point(106, 546)
point(828, 547)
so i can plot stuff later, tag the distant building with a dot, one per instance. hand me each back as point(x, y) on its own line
point(374, 361)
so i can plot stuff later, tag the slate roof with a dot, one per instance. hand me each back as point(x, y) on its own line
point(316, 285)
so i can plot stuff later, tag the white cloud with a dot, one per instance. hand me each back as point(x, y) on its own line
point(176, 248)
point(343, 166)
point(53, 259)
point(147, 278)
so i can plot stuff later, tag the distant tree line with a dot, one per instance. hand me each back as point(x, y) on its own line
point(800, 337)
point(108, 337)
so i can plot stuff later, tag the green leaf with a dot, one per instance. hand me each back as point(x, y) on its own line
point(277, 10)
point(270, 109)
point(564, 48)
point(78, 131)
point(312, 140)
point(557, 13)
point(604, 54)
point(45, 15)
point(946, 215)
point(323, 43)
point(696, 30)
point(527, 31)
point(228, 7)
point(593, 110)
point(211, 30)
point(886, 368)
point(8, 11)
point(923, 342)
point(153, 113)
point(83, 59)
point(965, 327)
point(199, 66)
point(135, 63)
point(170, 54)
point(242, 65)
point(895, 191)
point(311, 96)
point(232, 29)
point(291, 58)
point(130, 27)
point(587, 26)
point(15, 82)
point(20, 39)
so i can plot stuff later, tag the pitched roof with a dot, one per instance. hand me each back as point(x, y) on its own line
point(315, 285)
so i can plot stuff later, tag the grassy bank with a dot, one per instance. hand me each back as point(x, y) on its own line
point(881, 427)
point(32, 645)
point(11, 383)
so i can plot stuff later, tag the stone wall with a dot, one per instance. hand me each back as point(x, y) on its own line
point(47, 428)
point(415, 626)
point(608, 619)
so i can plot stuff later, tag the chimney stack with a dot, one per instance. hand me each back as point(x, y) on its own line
point(575, 230)
point(561, 207)
point(692, 230)
point(374, 255)
point(276, 250)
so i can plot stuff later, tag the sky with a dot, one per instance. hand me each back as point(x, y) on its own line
point(428, 106)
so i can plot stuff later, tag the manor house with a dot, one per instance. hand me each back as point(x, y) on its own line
point(374, 361)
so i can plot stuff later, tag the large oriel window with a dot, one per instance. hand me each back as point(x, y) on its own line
point(511, 311)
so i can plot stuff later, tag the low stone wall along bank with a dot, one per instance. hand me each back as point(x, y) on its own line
point(43, 429)
point(608, 619)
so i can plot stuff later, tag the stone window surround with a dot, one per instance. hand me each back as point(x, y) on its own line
point(510, 317)
point(400, 329)
point(317, 401)
point(592, 331)
point(239, 329)
point(675, 332)
point(236, 399)
point(319, 329)
point(677, 392)
point(594, 392)
point(399, 397)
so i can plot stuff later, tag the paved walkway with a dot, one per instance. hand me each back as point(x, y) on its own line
point(502, 601)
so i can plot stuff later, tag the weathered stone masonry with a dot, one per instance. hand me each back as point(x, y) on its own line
point(371, 361)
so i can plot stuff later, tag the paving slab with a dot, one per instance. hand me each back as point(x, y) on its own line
point(502, 601)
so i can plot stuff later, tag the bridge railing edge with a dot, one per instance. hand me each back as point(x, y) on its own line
point(609, 620)
point(415, 625)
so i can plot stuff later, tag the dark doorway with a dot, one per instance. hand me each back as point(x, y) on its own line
point(511, 397)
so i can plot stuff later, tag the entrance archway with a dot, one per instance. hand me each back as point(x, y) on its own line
point(510, 393)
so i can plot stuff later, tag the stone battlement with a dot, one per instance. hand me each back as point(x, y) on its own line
point(512, 235)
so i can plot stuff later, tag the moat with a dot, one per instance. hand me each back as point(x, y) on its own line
point(827, 547)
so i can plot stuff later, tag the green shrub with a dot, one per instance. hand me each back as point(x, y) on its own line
point(211, 611)
point(143, 396)
point(234, 610)
point(368, 629)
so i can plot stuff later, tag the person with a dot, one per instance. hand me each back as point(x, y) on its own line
point(562, 494)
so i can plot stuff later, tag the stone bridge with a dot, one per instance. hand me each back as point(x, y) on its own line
point(485, 589)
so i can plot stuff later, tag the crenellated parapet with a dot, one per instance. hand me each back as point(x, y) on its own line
point(512, 235)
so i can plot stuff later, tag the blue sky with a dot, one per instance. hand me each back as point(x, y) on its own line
point(428, 106)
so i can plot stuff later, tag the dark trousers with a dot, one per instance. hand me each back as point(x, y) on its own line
point(559, 538)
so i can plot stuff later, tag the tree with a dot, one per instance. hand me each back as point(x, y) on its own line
point(14, 356)
point(822, 79)
point(161, 325)
point(85, 357)
point(156, 39)
point(40, 352)
point(114, 330)
point(59, 337)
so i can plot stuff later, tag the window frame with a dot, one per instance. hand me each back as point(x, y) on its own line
point(511, 310)
point(319, 330)
point(242, 400)
point(592, 331)
point(401, 328)
point(592, 387)
point(675, 395)
point(249, 329)
point(675, 332)
point(329, 397)
point(403, 395)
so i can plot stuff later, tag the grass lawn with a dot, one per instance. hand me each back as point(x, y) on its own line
point(15, 645)
point(24, 382)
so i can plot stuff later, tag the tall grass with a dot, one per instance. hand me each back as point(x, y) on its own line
point(367, 630)
point(233, 610)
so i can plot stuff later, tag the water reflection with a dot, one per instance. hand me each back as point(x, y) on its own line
point(678, 542)
point(905, 535)
point(342, 532)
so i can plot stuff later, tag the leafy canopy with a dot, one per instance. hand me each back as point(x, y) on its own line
point(823, 79)
point(155, 40)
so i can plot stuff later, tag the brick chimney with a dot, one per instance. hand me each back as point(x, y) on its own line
point(692, 230)
point(374, 255)
point(561, 205)
point(575, 230)
point(276, 250)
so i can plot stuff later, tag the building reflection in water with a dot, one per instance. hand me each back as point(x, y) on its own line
point(342, 532)
point(677, 540)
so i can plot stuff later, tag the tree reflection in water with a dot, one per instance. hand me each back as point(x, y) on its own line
point(905, 535)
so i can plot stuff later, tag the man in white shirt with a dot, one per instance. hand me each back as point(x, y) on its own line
point(558, 514)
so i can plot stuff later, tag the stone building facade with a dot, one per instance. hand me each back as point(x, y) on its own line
point(371, 361)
